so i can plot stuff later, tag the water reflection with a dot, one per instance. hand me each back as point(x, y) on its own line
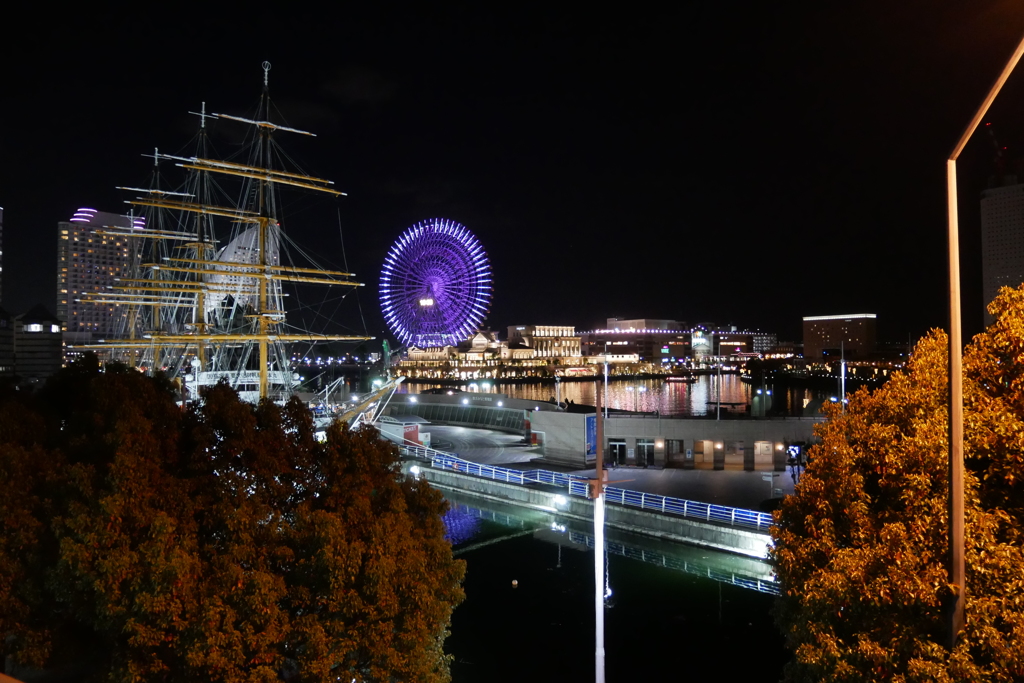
point(466, 532)
point(696, 399)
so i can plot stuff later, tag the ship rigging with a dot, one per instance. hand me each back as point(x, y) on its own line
point(205, 312)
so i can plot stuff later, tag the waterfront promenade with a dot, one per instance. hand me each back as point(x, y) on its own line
point(733, 488)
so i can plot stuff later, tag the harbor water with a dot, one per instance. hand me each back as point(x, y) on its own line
point(669, 398)
point(674, 610)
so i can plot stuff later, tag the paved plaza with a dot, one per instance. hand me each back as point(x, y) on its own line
point(734, 488)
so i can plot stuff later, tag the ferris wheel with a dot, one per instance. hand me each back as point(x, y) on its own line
point(435, 286)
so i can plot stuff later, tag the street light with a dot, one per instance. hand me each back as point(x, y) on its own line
point(606, 379)
point(956, 387)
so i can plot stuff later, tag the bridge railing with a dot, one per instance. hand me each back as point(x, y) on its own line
point(578, 486)
point(690, 509)
point(505, 474)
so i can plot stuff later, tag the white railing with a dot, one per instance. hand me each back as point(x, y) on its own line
point(690, 509)
point(579, 486)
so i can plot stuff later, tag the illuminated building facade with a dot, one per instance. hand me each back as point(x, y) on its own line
point(1002, 240)
point(643, 324)
point(826, 336)
point(90, 261)
point(667, 341)
point(548, 341)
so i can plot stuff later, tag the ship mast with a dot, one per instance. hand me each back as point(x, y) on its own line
point(172, 282)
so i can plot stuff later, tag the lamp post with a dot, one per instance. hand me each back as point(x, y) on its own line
point(597, 494)
point(842, 378)
point(718, 406)
point(956, 567)
point(606, 379)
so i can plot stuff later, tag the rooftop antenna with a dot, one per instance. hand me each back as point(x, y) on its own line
point(266, 73)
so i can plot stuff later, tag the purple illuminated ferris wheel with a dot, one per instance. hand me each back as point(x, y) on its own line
point(435, 287)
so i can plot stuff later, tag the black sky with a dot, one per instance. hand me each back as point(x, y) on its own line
point(741, 162)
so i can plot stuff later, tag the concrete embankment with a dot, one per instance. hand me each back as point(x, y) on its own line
point(664, 526)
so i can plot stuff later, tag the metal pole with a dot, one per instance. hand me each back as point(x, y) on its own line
point(842, 378)
point(597, 494)
point(605, 381)
point(718, 408)
point(956, 567)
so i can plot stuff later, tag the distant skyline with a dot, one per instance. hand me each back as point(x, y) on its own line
point(745, 163)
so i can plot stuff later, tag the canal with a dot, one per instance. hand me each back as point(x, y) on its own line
point(674, 610)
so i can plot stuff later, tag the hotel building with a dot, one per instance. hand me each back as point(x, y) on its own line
point(90, 260)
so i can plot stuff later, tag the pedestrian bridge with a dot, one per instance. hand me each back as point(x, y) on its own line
point(736, 530)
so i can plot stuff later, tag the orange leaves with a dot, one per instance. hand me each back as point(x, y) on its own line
point(218, 543)
point(861, 547)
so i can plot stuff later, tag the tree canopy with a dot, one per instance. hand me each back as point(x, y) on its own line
point(861, 547)
point(220, 542)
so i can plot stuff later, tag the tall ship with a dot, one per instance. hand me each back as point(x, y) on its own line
point(204, 298)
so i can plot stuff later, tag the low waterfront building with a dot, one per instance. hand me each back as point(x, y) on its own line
point(555, 341)
point(665, 343)
point(541, 352)
point(629, 440)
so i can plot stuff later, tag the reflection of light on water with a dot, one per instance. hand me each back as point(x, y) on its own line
point(468, 519)
point(667, 398)
point(460, 525)
point(699, 397)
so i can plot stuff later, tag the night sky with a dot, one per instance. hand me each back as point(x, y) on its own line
point(732, 162)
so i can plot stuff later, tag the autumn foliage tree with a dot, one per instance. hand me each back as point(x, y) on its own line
point(219, 543)
point(861, 548)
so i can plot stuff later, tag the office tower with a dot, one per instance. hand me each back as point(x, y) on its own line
point(1, 253)
point(827, 336)
point(1002, 240)
point(37, 344)
point(89, 261)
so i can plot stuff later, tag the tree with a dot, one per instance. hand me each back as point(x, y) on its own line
point(221, 542)
point(860, 549)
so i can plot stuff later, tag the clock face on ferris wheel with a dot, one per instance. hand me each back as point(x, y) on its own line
point(435, 286)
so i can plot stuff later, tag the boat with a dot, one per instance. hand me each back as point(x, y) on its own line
point(689, 379)
point(204, 300)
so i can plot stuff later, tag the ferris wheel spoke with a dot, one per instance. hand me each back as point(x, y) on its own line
point(436, 284)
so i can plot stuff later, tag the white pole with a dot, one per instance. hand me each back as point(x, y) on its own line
point(605, 381)
point(718, 408)
point(842, 378)
point(957, 571)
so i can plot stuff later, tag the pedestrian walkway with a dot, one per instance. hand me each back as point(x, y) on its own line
point(733, 488)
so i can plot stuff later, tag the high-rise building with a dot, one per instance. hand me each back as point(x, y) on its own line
point(1002, 240)
point(1, 253)
point(827, 336)
point(89, 261)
